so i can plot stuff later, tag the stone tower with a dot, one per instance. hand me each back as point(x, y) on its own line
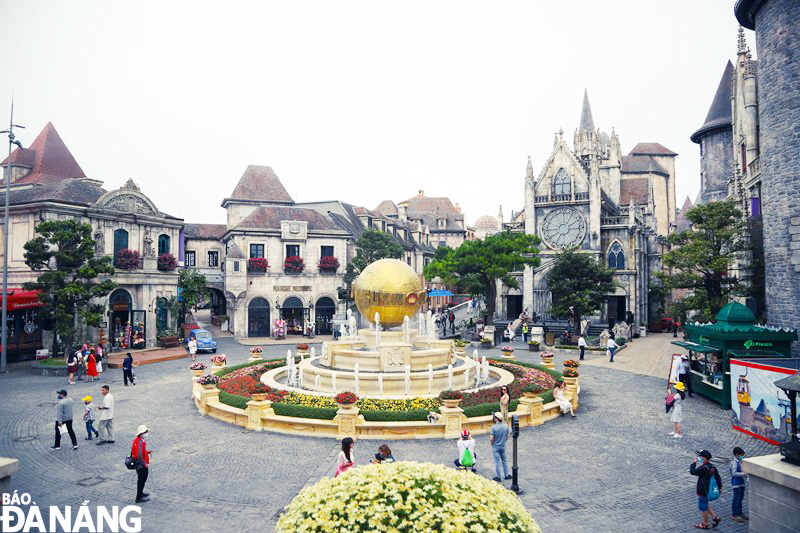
point(776, 24)
point(716, 143)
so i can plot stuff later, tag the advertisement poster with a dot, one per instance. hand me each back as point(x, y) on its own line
point(674, 366)
point(760, 409)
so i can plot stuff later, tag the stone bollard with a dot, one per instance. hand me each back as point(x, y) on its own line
point(572, 391)
point(256, 409)
point(533, 406)
point(208, 395)
point(346, 421)
point(453, 416)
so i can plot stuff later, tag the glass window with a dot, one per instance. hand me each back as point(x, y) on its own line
point(236, 266)
point(120, 241)
point(190, 258)
point(561, 184)
point(292, 250)
point(256, 251)
point(616, 258)
point(213, 259)
point(163, 244)
point(326, 251)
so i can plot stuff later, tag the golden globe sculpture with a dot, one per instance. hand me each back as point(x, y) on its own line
point(391, 288)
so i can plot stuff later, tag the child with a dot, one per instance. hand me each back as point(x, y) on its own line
point(384, 455)
point(738, 484)
point(89, 415)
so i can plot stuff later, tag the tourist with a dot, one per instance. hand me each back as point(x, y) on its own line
point(611, 345)
point(106, 416)
point(565, 338)
point(582, 345)
point(738, 482)
point(127, 369)
point(99, 357)
point(141, 454)
point(677, 411)
point(525, 332)
point(64, 418)
point(81, 365)
point(504, 401)
point(509, 333)
point(91, 367)
point(72, 367)
point(683, 374)
point(346, 459)
point(466, 451)
point(498, 435)
point(89, 416)
point(192, 346)
point(384, 455)
point(559, 395)
point(705, 473)
point(452, 319)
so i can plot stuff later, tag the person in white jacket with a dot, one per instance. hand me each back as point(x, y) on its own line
point(466, 442)
point(611, 345)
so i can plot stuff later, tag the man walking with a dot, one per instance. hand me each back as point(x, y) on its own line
point(611, 345)
point(141, 455)
point(582, 346)
point(127, 368)
point(705, 473)
point(106, 417)
point(498, 435)
point(452, 318)
point(683, 374)
point(64, 417)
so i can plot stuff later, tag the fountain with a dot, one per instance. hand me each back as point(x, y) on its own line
point(430, 378)
point(450, 377)
point(380, 384)
point(356, 378)
point(317, 381)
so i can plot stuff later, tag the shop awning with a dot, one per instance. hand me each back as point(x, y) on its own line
point(693, 346)
point(440, 292)
point(21, 299)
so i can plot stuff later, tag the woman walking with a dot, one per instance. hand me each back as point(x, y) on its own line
point(677, 411)
point(91, 368)
point(72, 367)
point(346, 459)
point(504, 401)
point(560, 397)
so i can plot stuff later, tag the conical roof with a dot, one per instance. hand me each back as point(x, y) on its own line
point(719, 115)
point(48, 158)
point(735, 313)
point(260, 184)
point(587, 123)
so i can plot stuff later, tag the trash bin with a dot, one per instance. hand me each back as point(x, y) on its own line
point(642, 331)
point(549, 338)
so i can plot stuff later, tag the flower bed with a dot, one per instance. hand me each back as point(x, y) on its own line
point(406, 497)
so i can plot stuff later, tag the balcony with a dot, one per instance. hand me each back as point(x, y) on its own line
point(614, 221)
point(560, 198)
point(754, 169)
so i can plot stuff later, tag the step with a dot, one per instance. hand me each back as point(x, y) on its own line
point(148, 358)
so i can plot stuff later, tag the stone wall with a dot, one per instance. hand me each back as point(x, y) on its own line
point(716, 167)
point(778, 49)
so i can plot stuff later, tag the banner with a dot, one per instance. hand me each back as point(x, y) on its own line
point(760, 409)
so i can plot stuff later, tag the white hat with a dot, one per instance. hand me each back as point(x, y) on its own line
point(141, 429)
point(499, 416)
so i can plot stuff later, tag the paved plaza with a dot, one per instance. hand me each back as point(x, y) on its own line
point(614, 468)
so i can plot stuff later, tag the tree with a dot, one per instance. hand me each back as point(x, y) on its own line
point(371, 246)
point(64, 252)
point(475, 266)
point(579, 285)
point(192, 286)
point(701, 257)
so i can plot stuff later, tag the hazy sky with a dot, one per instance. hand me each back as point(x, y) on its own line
point(358, 101)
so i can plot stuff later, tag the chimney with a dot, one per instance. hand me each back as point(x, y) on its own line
point(458, 208)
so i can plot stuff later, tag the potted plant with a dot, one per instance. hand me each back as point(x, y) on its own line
point(328, 264)
point(255, 352)
point(257, 264)
point(197, 368)
point(533, 346)
point(460, 344)
point(167, 262)
point(346, 399)
point(570, 372)
point(260, 391)
point(127, 259)
point(507, 351)
point(294, 264)
point(570, 363)
point(451, 398)
point(302, 349)
point(486, 343)
point(219, 360)
point(531, 389)
point(547, 357)
point(208, 381)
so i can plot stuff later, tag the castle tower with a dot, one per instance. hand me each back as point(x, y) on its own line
point(775, 23)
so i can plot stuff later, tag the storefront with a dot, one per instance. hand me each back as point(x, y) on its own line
point(294, 315)
point(324, 311)
point(24, 324)
point(734, 335)
point(128, 326)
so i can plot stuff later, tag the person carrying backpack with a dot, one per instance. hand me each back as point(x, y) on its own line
point(466, 451)
point(709, 488)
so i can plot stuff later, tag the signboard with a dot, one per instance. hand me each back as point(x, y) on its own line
point(760, 409)
point(755, 344)
point(674, 366)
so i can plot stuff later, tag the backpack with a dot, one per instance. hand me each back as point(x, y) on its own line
point(467, 459)
point(713, 489)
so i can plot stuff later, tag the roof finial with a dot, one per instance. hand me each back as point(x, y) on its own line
point(587, 123)
point(528, 170)
point(742, 43)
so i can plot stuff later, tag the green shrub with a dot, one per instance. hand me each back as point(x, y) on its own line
point(303, 411)
point(397, 416)
point(53, 361)
point(234, 400)
point(486, 409)
point(621, 341)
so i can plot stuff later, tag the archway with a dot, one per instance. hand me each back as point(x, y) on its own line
point(325, 309)
point(258, 318)
point(295, 315)
point(162, 314)
point(120, 308)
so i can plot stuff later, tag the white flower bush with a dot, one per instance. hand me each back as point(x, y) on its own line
point(407, 497)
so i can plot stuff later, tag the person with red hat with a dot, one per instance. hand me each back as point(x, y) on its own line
point(466, 451)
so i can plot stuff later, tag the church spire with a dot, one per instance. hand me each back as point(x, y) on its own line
point(529, 169)
point(587, 123)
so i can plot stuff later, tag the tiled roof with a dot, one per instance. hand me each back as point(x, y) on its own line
point(719, 114)
point(48, 158)
point(234, 252)
point(429, 210)
point(636, 188)
point(270, 217)
point(66, 191)
point(651, 149)
point(681, 222)
point(641, 164)
point(387, 208)
point(204, 231)
point(260, 184)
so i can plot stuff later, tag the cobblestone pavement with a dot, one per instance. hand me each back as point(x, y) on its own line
point(614, 468)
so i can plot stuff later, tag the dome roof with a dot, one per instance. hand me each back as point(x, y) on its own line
point(487, 222)
point(735, 313)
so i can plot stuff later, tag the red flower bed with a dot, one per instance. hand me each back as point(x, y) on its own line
point(245, 381)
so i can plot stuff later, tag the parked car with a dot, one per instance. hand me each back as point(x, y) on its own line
point(205, 341)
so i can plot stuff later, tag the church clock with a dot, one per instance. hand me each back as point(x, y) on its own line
point(563, 228)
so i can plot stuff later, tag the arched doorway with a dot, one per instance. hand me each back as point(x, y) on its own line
point(325, 310)
point(217, 302)
point(162, 314)
point(121, 305)
point(258, 318)
point(295, 315)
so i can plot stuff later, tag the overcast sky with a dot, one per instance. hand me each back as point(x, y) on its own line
point(357, 101)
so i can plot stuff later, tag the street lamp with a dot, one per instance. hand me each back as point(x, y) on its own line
point(4, 339)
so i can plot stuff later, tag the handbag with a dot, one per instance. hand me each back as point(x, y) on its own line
point(669, 401)
point(343, 467)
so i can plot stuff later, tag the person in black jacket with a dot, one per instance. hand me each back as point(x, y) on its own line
point(704, 473)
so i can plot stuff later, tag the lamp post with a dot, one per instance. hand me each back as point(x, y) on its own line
point(11, 142)
point(514, 468)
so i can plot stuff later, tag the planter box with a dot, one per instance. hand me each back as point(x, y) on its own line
point(534, 347)
point(168, 342)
